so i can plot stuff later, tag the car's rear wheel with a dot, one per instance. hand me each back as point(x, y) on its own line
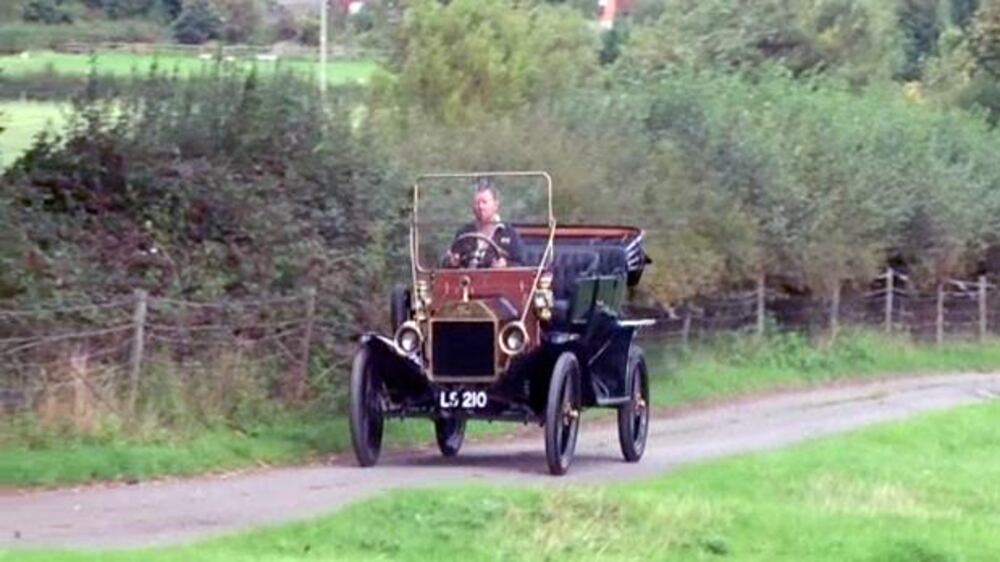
point(450, 432)
point(633, 416)
point(366, 417)
point(562, 414)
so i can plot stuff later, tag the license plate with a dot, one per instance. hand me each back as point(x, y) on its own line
point(462, 399)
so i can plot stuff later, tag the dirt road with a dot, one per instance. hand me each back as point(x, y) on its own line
point(180, 511)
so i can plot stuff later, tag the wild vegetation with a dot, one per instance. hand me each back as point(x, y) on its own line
point(224, 420)
point(809, 141)
point(44, 24)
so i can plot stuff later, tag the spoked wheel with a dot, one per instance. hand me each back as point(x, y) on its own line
point(366, 415)
point(562, 414)
point(633, 416)
point(450, 432)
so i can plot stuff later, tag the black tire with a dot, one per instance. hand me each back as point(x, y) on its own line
point(633, 416)
point(450, 432)
point(562, 414)
point(366, 417)
point(399, 306)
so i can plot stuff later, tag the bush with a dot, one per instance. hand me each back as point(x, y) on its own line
point(49, 12)
point(241, 19)
point(15, 38)
point(120, 9)
point(197, 23)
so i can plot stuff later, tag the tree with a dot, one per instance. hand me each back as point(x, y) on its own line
point(241, 19)
point(197, 23)
point(121, 9)
point(172, 8)
point(50, 12)
point(472, 58)
point(921, 26)
point(851, 37)
point(984, 39)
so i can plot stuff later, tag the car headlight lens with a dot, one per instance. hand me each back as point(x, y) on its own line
point(408, 337)
point(513, 338)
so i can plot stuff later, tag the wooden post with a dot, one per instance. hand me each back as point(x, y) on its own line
point(835, 312)
point(299, 388)
point(889, 294)
point(138, 343)
point(761, 288)
point(939, 322)
point(686, 331)
point(982, 307)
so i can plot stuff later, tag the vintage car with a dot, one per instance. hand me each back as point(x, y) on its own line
point(534, 342)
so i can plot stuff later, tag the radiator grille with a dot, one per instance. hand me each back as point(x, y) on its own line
point(463, 349)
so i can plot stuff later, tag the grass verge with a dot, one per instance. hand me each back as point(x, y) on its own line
point(729, 367)
point(123, 65)
point(911, 491)
point(21, 122)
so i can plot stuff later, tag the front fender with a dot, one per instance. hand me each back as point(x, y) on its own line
point(403, 375)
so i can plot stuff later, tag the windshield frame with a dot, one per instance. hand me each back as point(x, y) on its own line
point(417, 267)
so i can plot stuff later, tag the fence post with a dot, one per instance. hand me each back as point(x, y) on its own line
point(686, 331)
point(889, 294)
point(138, 344)
point(835, 311)
point(761, 288)
point(982, 307)
point(298, 389)
point(939, 322)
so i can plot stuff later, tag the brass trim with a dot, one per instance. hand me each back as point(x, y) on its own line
point(515, 325)
point(500, 360)
point(408, 325)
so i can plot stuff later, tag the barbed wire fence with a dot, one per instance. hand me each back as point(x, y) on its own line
point(956, 309)
point(110, 354)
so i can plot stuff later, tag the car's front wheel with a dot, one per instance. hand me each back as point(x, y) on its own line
point(633, 416)
point(450, 432)
point(562, 414)
point(366, 417)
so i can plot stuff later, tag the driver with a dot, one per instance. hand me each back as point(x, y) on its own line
point(471, 251)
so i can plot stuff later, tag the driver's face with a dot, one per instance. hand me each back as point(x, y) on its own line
point(485, 207)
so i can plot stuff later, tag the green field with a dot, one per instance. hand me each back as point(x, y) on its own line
point(21, 122)
point(729, 367)
point(918, 491)
point(125, 64)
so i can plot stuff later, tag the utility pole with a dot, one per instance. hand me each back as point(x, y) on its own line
point(323, 33)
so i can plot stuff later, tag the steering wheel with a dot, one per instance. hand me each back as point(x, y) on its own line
point(469, 255)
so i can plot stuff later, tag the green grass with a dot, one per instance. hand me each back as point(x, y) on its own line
point(126, 64)
point(43, 458)
point(22, 121)
point(918, 491)
point(735, 365)
point(731, 366)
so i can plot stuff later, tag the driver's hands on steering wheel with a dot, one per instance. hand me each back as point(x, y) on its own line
point(466, 251)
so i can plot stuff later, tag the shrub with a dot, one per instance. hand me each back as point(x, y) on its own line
point(197, 23)
point(49, 12)
point(119, 9)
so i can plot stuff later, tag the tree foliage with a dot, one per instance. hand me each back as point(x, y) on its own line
point(468, 59)
point(197, 23)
